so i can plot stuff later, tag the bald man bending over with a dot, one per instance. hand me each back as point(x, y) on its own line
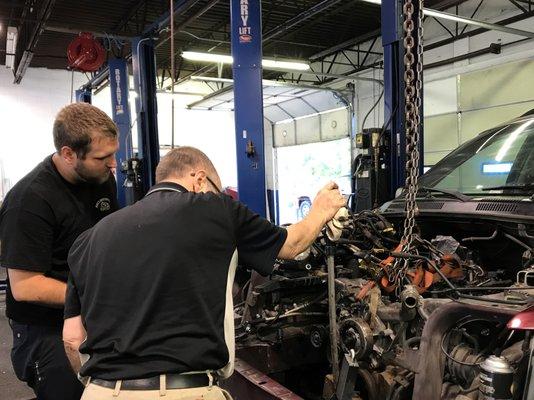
point(150, 288)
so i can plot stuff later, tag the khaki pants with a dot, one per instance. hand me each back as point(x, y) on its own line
point(95, 392)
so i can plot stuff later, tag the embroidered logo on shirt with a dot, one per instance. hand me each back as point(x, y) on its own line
point(104, 204)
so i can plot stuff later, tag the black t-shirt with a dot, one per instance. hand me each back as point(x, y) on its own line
point(153, 282)
point(39, 220)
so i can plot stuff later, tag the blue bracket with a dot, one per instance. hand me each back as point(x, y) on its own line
point(248, 100)
point(120, 108)
point(83, 95)
point(394, 101)
point(144, 72)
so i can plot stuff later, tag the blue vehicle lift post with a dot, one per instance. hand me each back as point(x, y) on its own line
point(248, 101)
point(394, 103)
point(144, 71)
point(120, 109)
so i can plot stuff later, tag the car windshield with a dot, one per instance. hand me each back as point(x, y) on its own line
point(499, 157)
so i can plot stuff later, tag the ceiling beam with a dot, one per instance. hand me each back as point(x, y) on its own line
point(474, 32)
point(132, 9)
point(183, 24)
point(443, 5)
point(30, 44)
point(481, 24)
point(298, 19)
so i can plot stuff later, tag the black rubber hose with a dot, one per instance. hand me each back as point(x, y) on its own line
point(450, 284)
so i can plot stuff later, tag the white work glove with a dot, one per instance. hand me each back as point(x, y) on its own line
point(334, 228)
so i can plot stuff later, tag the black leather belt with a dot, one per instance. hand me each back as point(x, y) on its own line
point(173, 381)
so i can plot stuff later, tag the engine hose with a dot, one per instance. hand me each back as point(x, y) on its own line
point(454, 288)
point(410, 342)
point(479, 239)
point(418, 257)
point(519, 242)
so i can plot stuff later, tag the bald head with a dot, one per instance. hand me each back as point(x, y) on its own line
point(184, 162)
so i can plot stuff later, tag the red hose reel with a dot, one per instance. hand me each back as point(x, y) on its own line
point(85, 53)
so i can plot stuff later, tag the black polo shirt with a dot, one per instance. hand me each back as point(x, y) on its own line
point(153, 282)
point(40, 218)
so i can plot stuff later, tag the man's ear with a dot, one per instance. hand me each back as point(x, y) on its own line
point(199, 181)
point(68, 155)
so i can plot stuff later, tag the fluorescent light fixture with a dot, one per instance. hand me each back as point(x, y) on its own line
point(11, 46)
point(510, 140)
point(210, 79)
point(273, 64)
point(266, 82)
point(207, 57)
point(497, 168)
point(226, 59)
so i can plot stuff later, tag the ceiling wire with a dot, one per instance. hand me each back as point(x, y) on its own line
point(173, 67)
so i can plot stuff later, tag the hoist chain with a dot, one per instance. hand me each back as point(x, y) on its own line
point(413, 76)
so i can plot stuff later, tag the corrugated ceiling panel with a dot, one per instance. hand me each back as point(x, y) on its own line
point(323, 101)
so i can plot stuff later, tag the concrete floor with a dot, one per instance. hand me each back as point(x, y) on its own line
point(10, 387)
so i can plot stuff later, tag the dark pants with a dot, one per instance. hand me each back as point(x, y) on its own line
point(39, 359)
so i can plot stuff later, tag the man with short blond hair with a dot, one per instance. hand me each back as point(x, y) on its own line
point(150, 289)
point(40, 218)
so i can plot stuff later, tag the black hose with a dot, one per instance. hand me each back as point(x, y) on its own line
point(477, 239)
point(451, 357)
point(410, 342)
point(519, 242)
point(372, 108)
point(418, 257)
point(450, 284)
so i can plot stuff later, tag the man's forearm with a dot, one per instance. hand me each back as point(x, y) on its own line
point(52, 293)
point(37, 288)
point(301, 235)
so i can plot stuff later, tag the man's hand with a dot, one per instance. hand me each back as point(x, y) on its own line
point(328, 202)
point(301, 235)
point(73, 336)
point(34, 287)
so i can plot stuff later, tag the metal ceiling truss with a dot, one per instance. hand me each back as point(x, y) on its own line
point(299, 19)
point(270, 35)
point(359, 59)
point(459, 33)
point(138, 15)
point(130, 22)
point(464, 33)
point(29, 34)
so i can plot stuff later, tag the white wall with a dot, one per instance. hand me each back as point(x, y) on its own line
point(27, 113)
point(210, 131)
point(501, 84)
point(28, 110)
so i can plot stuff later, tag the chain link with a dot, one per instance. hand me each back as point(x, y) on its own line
point(413, 76)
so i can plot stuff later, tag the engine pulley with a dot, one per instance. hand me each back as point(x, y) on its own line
point(356, 335)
